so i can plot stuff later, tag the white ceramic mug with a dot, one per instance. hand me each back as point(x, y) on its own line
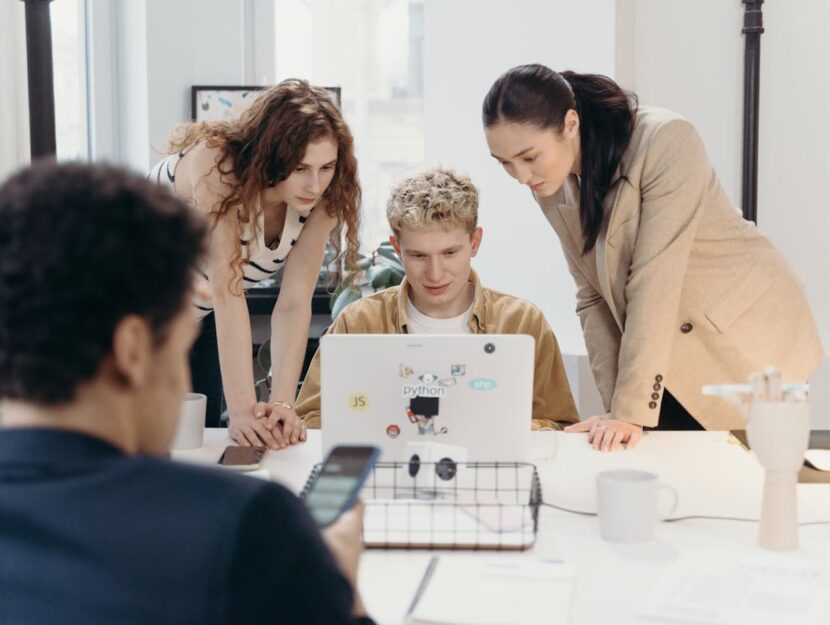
point(190, 432)
point(627, 505)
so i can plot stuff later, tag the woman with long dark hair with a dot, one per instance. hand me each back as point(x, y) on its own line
point(674, 288)
point(277, 184)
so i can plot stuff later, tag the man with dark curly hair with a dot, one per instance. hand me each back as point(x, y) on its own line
point(96, 269)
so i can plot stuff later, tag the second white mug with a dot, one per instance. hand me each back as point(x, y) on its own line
point(627, 505)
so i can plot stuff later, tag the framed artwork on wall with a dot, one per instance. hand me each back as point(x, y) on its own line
point(218, 103)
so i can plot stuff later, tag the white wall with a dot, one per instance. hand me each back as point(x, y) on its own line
point(146, 55)
point(688, 57)
point(468, 44)
point(794, 162)
point(180, 60)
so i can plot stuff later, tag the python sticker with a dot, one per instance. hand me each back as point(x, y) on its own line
point(426, 388)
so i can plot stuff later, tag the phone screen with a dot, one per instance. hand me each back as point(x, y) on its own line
point(336, 488)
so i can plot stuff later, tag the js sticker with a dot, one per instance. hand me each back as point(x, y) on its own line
point(358, 402)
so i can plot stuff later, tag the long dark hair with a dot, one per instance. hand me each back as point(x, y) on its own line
point(537, 95)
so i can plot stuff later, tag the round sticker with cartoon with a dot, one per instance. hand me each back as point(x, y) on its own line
point(393, 431)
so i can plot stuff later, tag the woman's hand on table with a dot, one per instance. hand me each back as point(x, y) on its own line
point(284, 419)
point(608, 434)
point(259, 427)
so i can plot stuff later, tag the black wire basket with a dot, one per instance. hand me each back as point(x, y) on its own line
point(450, 505)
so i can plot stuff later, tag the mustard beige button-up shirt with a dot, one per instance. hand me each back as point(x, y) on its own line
point(493, 313)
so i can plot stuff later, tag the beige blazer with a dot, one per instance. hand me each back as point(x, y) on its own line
point(680, 290)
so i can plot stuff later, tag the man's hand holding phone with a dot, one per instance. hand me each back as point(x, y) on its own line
point(344, 538)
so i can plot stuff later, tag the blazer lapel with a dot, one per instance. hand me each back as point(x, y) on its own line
point(569, 211)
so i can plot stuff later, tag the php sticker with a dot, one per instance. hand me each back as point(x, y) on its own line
point(482, 384)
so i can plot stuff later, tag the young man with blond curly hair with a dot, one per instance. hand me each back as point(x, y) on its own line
point(434, 220)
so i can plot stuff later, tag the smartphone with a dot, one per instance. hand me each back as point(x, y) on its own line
point(242, 458)
point(339, 482)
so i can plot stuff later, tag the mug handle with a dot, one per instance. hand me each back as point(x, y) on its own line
point(673, 492)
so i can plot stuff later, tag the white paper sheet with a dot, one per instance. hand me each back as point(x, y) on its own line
point(740, 588)
point(465, 590)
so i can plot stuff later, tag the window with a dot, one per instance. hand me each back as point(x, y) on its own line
point(69, 68)
point(373, 50)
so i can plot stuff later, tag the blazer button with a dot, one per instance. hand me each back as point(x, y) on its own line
point(658, 378)
point(686, 328)
point(656, 387)
point(655, 395)
point(652, 404)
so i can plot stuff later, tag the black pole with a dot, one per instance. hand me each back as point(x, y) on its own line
point(41, 81)
point(753, 28)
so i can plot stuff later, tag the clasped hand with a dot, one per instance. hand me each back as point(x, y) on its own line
point(275, 427)
point(607, 434)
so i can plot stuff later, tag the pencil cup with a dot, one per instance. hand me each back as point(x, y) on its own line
point(778, 433)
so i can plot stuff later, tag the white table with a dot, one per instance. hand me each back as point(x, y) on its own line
point(712, 474)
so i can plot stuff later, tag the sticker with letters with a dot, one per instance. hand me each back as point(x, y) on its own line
point(358, 402)
point(482, 384)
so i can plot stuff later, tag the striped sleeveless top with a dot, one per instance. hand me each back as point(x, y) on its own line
point(260, 262)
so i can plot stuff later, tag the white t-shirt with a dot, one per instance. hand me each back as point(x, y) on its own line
point(419, 323)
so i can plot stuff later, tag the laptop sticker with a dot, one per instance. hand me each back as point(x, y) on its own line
point(358, 402)
point(393, 431)
point(482, 384)
point(447, 382)
point(405, 372)
point(422, 412)
point(458, 370)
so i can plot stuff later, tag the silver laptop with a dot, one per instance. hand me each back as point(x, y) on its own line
point(395, 390)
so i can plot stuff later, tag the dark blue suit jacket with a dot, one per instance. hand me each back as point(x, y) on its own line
point(90, 535)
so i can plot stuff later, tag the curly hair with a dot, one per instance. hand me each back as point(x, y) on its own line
point(267, 142)
point(81, 247)
point(438, 197)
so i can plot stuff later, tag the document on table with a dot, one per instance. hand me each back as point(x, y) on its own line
point(740, 588)
point(465, 590)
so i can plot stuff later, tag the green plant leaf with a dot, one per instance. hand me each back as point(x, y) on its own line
point(380, 277)
point(346, 297)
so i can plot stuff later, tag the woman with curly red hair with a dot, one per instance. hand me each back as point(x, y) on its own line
point(277, 183)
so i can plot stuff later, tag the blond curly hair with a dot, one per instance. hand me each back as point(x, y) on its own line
point(435, 198)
